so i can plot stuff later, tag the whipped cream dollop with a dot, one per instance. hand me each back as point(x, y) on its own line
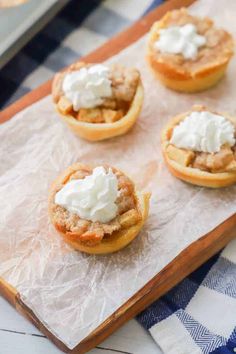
point(87, 87)
point(180, 40)
point(92, 198)
point(203, 132)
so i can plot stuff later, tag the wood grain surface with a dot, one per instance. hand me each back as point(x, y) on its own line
point(186, 262)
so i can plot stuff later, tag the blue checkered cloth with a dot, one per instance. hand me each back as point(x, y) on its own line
point(198, 315)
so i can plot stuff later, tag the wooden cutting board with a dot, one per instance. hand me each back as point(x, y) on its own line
point(186, 262)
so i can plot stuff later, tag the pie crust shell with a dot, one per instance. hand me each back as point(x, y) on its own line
point(114, 242)
point(182, 80)
point(194, 175)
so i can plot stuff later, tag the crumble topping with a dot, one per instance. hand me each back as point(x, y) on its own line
point(223, 160)
point(92, 233)
point(217, 50)
point(124, 83)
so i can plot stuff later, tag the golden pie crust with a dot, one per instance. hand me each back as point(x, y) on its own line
point(184, 75)
point(112, 243)
point(189, 174)
point(99, 131)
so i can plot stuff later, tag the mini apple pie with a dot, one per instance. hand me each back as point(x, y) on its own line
point(97, 210)
point(188, 53)
point(200, 147)
point(96, 101)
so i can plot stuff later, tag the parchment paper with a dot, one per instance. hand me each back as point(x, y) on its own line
point(70, 292)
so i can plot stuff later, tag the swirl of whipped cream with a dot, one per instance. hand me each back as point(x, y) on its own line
point(92, 198)
point(203, 132)
point(180, 40)
point(87, 87)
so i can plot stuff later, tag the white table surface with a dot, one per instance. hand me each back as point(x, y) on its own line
point(18, 336)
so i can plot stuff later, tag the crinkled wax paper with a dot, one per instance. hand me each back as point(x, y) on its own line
point(70, 292)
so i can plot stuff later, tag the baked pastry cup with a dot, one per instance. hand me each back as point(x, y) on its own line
point(95, 131)
point(131, 221)
point(187, 75)
point(180, 162)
